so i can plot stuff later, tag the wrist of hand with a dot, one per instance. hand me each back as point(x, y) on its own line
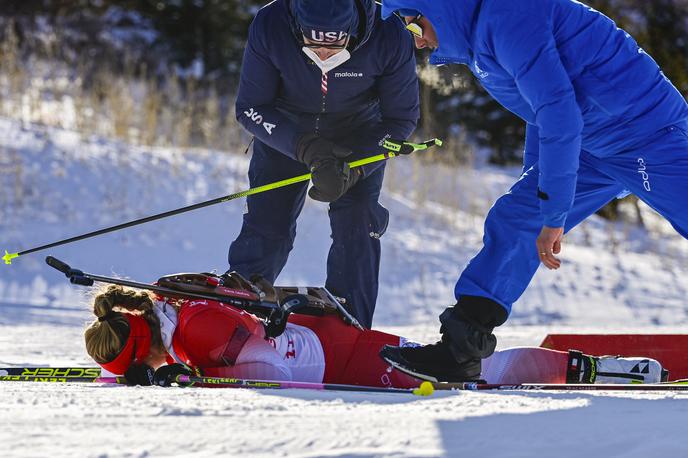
point(139, 374)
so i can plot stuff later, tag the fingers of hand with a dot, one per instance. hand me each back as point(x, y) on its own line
point(548, 244)
point(316, 194)
point(549, 260)
point(330, 179)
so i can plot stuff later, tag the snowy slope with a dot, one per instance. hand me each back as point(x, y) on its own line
point(55, 184)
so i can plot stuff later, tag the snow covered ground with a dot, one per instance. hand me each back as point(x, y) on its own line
point(55, 184)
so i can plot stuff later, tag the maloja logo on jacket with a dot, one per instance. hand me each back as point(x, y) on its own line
point(348, 74)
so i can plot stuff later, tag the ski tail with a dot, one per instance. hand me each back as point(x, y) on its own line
point(677, 385)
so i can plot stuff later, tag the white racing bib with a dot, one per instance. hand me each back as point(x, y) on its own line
point(302, 352)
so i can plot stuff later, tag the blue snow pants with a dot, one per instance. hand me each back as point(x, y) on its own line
point(657, 173)
point(357, 221)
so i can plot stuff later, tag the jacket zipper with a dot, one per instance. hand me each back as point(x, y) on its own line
point(323, 91)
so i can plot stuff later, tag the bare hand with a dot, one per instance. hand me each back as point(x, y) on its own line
point(548, 244)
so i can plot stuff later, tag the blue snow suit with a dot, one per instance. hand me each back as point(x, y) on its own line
point(601, 119)
point(371, 96)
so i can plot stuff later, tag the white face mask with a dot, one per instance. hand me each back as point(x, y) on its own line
point(331, 62)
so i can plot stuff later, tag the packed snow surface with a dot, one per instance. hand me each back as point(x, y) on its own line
point(55, 184)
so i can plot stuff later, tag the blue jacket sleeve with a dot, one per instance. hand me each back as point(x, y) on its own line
point(532, 148)
point(258, 90)
point(398, 95)
point(524, 45)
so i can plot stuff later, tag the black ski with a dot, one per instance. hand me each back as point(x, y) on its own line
point(64, 372)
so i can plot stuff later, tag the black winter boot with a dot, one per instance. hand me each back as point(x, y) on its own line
point(466, 339)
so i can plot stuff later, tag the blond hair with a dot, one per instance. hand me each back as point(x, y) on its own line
point(106, 336)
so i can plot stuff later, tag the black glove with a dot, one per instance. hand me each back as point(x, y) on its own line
point(167, 375)
point(331, 175)
point(139, 374)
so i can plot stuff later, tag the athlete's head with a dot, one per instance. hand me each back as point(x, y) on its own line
point(126, 329)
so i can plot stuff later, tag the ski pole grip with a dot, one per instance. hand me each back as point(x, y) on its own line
point(59, 265)
point(77, 279)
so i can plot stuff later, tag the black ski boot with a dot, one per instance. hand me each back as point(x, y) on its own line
point(434, 362)
point(466, 339)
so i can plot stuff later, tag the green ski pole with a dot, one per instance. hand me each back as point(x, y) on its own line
point(395, 148)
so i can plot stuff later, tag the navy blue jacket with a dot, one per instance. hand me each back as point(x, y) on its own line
point(578, 81)
point(373, 95)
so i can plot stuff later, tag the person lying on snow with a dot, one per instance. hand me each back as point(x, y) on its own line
point(150, 339)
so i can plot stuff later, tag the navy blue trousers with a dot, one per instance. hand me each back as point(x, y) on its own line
point(657, 173)
point(357, 221)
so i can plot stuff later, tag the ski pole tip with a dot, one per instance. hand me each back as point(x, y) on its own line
point(9, 256)
point(425, 389)
point(438, 142)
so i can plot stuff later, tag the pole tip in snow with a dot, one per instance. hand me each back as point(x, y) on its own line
point(425, 389)
point(9, 256)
